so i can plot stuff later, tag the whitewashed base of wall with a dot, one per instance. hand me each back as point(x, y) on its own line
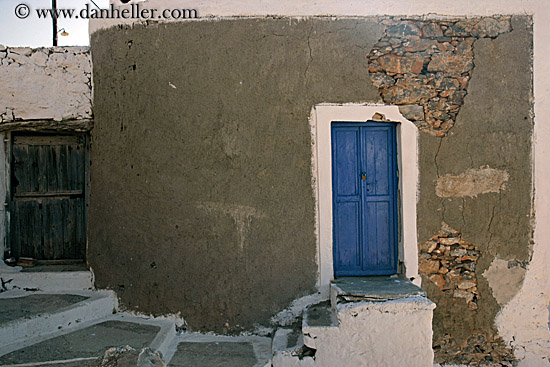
point(363, 333)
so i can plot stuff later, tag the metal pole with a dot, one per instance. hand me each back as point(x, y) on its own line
point(54, 21)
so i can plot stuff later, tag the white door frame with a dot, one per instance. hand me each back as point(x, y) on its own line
point(322, 116)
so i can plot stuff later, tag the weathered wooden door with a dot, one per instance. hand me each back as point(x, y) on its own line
point(47, 208)
point(364, 175)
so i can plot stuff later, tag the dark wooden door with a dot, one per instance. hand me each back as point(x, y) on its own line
point(47, 208)
point(364, 174)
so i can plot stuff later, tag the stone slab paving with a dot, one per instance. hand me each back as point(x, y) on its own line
point(214, 354)
point(88, 343)
point(208, 350)
point(35, 304)
point(375, 288)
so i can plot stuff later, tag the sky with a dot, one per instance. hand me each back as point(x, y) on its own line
point(35, 32)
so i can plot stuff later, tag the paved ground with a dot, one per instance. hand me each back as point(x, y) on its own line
point(86, 343)
point(34, 304)
point(214, 354)
point(80, 344)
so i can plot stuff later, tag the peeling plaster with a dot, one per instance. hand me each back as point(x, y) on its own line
point(45, 83)
point(292, 312)
point(472, 183)
point(523, 322)
point(505, 279)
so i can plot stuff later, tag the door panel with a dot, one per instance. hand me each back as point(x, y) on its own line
point(364, 174)
point(348, 244)
point(47, 197)
point(347, 159)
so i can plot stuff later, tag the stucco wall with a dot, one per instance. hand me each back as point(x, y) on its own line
point(45, 83)
point(201, 198)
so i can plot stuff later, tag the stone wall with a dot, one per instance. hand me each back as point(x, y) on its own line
point(427, 65)
point(45, 83)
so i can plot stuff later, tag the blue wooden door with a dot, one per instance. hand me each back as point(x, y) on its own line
point(364, 182)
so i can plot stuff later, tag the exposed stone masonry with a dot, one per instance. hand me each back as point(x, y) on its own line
point(479, 349)
point(450, 263)
point(425, 66)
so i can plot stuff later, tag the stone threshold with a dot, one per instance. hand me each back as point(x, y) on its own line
point(373, 289)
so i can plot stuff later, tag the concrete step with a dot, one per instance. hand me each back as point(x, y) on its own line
point(296, 348)
point(48, 281)
point(27, 315)
point(83, 345)
point(370, 321)
point(289, 350)
point(318, 320)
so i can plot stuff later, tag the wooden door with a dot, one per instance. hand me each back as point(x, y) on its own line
point(47, 207)
point(364, 175)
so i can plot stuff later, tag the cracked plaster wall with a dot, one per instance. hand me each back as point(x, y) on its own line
point(45, 83)
point(494, 132)
point(201, 161)
point(230, 117)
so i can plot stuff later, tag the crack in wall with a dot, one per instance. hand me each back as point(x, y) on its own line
point(491, 222)
point(309, 48)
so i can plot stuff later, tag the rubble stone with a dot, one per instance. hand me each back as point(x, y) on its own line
point(405, 94)
point(432, 30)
point(419, 45)
point(381, 80)
point(451, 63)
point(398, 64)
point(449, 262)
point(461, 28)
point(440, 51)
point(412, 112)
point(404, 30)
point(477, 350)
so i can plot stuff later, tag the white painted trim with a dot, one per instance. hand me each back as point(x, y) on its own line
point(50, 281)
point(407, 157)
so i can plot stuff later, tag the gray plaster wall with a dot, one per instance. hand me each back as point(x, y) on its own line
point(201, 198)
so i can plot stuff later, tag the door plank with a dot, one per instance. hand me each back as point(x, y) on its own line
point(80, 230)
point(69, 230)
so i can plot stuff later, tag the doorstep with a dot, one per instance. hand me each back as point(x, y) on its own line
point(45, 278)
point(373, 289)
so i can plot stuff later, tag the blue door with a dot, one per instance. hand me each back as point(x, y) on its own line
point(364, 190)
